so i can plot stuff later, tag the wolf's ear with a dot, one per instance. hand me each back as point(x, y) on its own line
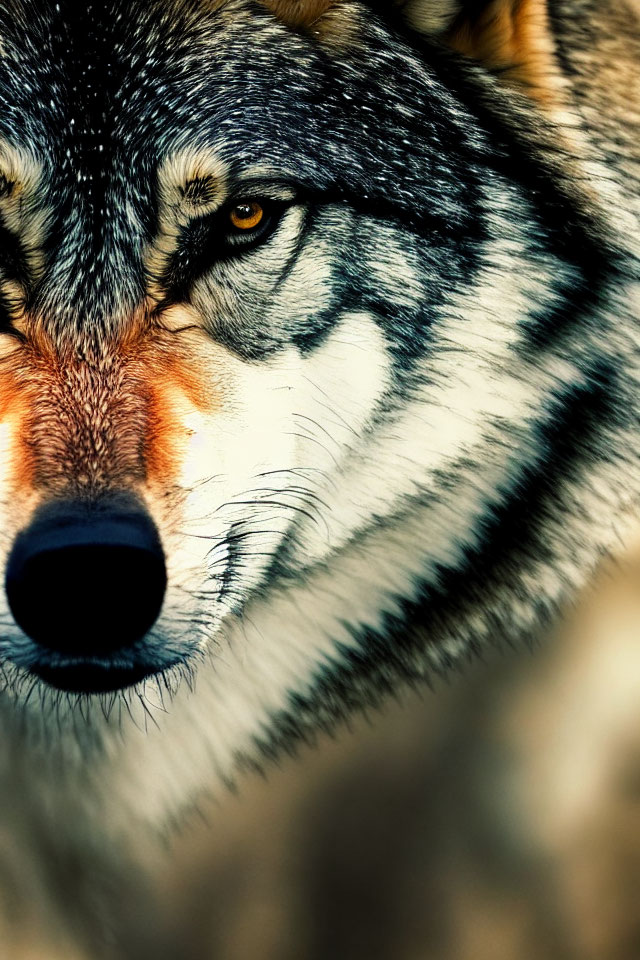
point(511, 37)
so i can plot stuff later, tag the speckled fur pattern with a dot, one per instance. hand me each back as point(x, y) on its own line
point(401, 424)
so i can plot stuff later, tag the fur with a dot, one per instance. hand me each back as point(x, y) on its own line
point(400, 423)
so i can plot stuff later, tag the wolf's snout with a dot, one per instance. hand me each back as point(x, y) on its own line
point(86, 586)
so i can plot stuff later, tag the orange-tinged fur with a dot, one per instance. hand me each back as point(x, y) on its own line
point(14, 422)
point(513, 38)
point(171, 366)
point(79, 426)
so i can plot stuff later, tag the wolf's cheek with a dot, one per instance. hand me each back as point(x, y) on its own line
point(219, 442)
point(215, 415)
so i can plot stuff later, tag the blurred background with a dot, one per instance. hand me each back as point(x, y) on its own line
point(496, 817)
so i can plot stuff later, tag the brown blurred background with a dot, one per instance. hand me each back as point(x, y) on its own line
point(495, 818)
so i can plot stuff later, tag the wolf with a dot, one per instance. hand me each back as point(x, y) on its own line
point(319, 362)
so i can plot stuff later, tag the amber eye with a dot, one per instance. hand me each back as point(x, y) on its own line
point(246, 216)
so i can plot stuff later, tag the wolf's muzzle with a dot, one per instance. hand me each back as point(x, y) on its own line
point(86, 585)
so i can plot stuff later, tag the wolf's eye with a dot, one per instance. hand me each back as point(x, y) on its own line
point(247, 215)
point(248, 221)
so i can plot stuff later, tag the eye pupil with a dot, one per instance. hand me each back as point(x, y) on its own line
point(246, 216)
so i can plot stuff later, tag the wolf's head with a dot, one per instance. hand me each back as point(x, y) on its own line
point(304, 344)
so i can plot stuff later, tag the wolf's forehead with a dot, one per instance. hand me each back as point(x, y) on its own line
point(96, 103)
point(105, 64)
point(86, 79)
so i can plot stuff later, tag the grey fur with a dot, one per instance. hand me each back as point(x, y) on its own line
point(475, 247)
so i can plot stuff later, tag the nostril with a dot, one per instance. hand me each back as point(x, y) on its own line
point(86, 586)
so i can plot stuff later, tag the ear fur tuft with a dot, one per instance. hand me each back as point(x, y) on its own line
point(302, 14)
point(431, 17)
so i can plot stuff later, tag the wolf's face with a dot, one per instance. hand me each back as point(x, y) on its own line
point(292, 330)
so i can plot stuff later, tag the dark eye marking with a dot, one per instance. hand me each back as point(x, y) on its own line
point(15, 269)
point(6, 315)
point(7, 186)
point(237, 227)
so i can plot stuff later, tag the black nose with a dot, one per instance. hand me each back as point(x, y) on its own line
point(84, 583)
